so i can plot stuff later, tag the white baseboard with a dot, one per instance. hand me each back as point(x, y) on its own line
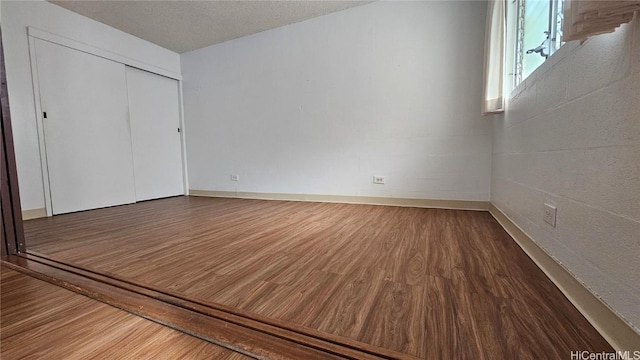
point(365, 200)
point(620, 334)
point(34, 214)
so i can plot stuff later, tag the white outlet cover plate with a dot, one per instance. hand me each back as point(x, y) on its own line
point(378, 179)
point(235, 177)
point(550, 213)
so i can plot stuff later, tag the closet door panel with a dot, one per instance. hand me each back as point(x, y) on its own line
point(86, 129)
point(154, 112)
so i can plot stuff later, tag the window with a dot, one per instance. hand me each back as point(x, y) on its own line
point(534, 33)
point(521, 34)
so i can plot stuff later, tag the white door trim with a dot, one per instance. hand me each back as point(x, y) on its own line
point(70, 43)
point(44, 165)
point(183, 141)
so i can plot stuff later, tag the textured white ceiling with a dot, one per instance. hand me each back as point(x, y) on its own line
point(184, 25)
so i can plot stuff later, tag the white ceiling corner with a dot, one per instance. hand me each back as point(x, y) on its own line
point(185, 25)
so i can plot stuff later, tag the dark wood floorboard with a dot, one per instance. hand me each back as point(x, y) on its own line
point(42, 321)
point(426, 282)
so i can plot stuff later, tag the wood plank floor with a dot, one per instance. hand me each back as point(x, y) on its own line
point(43, 321)
point(429, 283)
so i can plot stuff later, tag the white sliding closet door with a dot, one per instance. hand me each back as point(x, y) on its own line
point(86, 129)
point(154, 111)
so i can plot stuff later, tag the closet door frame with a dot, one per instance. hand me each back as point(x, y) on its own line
point(33, 34)
point(11, 228)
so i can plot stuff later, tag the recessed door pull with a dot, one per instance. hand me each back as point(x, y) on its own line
point(44, 114)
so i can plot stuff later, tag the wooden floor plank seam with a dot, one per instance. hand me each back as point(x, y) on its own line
point(40, 320)
point(97, 295)
point(189, 302)
point(35, 266)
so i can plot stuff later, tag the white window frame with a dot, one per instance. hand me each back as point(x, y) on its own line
point(515, 51)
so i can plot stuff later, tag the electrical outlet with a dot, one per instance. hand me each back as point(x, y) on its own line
point(235, 177)
point(378, 179)
point(550, 212)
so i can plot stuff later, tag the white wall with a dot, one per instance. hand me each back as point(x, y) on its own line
point(320, 106)
point(16, 16)
point(571, 137)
